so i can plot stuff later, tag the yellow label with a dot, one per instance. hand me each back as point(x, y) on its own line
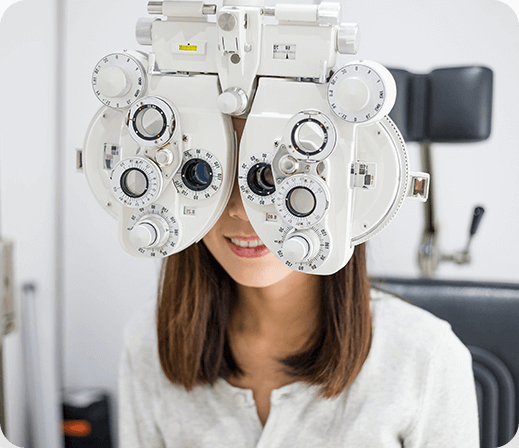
point(188, 47)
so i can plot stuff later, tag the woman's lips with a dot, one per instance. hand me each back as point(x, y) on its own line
point(248, 252)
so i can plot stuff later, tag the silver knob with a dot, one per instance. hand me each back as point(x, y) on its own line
point(296, 248)
point(143, 30)
point(348, 38)
point(150, 231)
point(233, 101)
point(329, 13)
point(113, 81)
point(300, 246)
point(227, 21)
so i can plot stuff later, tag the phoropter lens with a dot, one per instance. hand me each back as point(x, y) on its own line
point(300, 201)
point(149, 122)
point(134, 183)
point(260, 179)
point(197, 174)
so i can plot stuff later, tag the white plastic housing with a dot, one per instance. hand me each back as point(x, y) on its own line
point(354, 214)
point(199, 125)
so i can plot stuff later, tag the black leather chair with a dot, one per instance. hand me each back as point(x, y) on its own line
point(485, 316)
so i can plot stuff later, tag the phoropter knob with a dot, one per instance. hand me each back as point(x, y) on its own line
point(150, 231)
point(348, 38)
point(113, 82)
point(233, 101)
point(300, 246)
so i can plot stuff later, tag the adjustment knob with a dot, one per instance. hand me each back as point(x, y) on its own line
point(113, 82)
point(150, 231)
point(119, 79)
point(300, 246)
point(233, 101)
point(362, 92)
point(348, 38)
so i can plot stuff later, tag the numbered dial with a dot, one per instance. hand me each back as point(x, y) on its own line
point(153, 231)
point(311, 136)
point(303, 250)
point(361, 91)
point(302, 201)
point(136, 182)
point(256, 180)
point(151, 122)
point(200, 176)
point(119, 80)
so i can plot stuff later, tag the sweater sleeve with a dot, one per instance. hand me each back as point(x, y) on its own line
point(448, 414)
point(137, 427)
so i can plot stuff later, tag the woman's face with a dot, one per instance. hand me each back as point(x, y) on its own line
point(253, 266)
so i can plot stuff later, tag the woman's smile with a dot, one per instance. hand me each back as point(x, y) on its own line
point(247, 246)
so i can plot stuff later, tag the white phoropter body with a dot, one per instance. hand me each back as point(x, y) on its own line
point(321, 167)
point(339, 165)
point(139, 158)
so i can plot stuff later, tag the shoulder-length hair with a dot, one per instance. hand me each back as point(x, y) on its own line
point(196, 297)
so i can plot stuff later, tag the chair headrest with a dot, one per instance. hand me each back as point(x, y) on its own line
point(448, 105)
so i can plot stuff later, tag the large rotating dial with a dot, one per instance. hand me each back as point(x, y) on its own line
point(302, 201)
point(361, 91)
point(119, 80)
point(200, 176)
point(136, 182)
point(153, 231)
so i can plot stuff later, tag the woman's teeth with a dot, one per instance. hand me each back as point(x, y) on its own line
point(253, 243)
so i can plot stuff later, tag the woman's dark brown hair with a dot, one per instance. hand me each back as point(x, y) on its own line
point(196, 297)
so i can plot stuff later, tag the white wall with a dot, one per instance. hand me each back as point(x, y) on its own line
point(103, 285)
point(30, 197)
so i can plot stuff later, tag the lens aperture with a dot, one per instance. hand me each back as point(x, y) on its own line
point(197, 174)
point(134, 183)
point(260, 179)
point(300, 201)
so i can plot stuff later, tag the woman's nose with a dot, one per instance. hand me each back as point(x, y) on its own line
point(235, 206)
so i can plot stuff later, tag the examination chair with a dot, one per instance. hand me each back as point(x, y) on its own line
point(485, 316)
point(454, 105)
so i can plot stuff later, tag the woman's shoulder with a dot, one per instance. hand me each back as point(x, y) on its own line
point(405, 327)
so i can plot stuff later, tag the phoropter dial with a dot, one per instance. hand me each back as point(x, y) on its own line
point(200, 175)
point(302, 201)
point(119, 80)
point(151, 121)
point(136, 182)
point(361, 91)
point(303, 250)
point(310, 136)
point(256, 180)
point(153, 231)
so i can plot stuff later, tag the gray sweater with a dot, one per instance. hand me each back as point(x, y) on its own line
point(416, 389)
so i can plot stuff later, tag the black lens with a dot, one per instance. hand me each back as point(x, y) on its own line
point(260, 179)
point(197, 174)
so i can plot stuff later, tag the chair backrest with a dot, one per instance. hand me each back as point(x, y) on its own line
point(485, 316)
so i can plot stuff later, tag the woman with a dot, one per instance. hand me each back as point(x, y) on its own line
point(242, 351)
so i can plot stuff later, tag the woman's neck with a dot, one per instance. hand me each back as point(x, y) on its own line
point(284, 314)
